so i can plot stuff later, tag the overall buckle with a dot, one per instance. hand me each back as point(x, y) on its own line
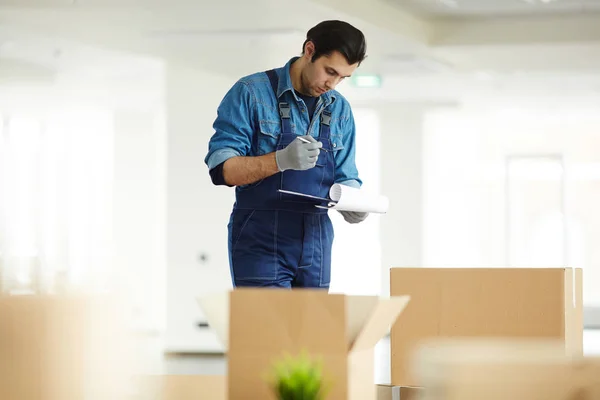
point(284, 110)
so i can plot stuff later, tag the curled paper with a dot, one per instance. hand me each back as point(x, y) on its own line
point(346, 198)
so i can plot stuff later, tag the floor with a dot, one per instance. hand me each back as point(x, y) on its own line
point(155, 363)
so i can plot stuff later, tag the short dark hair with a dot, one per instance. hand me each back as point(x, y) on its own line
point(330, 36)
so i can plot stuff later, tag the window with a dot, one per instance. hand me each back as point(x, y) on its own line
point(55, 211)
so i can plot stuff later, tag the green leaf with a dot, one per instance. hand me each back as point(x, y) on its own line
point(298, 377)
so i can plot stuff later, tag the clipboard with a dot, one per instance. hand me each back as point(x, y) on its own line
point(308, 196)
point(346, 198)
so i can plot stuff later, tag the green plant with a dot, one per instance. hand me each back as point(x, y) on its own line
point(298, 378)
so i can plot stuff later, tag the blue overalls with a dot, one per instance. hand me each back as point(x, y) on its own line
point(277, 240)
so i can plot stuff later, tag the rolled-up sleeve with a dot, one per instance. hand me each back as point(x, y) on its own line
point(345, 161)
point(233, 127)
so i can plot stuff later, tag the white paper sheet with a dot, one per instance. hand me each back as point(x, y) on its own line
point(346, 198)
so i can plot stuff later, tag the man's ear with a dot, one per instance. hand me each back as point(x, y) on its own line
point(309, 50)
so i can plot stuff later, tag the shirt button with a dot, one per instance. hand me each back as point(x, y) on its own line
point(334, 145)
point(304, 110)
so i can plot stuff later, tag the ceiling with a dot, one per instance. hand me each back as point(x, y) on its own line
point(495, 8)
point(264, 34)
point(408, 40)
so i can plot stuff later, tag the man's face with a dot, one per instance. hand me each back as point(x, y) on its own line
point(325, 72)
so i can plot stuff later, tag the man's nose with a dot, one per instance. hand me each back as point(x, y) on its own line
point(332, 83)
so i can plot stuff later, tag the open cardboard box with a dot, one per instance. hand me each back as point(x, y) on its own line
point(496, 369)
point(534, 303)
point(58, 347)
point(258, 326)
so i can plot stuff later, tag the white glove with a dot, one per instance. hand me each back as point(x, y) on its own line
point(298, 155)
point(354, 217)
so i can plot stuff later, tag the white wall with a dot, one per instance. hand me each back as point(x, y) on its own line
point(197, 211)
point(401, 168)
point(139, 214)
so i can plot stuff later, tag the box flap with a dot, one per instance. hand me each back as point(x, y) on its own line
point(216, 311)
point(377, 323)
point(358, 311)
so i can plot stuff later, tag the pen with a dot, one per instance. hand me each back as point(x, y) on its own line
point(308, 141)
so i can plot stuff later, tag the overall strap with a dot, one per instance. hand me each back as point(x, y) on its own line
point(325, 122)
point(284, 108)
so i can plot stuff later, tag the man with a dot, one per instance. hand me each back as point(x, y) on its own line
point(288, 129)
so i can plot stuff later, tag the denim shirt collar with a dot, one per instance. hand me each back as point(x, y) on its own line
point(285, 84)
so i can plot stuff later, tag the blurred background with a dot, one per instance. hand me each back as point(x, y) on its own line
point(479, 119)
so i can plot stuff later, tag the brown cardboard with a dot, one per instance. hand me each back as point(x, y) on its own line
point(506, 370)
point(182, 387)
point(56, 348)
point(484, 302)
point(388, 392)
point(257, 326)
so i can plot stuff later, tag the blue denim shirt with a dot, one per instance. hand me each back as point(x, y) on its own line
point(249, 108)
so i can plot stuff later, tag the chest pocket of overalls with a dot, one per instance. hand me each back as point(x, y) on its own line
point(327, 144)
point(335, 146)
point(315, 181)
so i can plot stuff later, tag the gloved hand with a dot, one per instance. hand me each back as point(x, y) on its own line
point(354, 217)
point(299, 155)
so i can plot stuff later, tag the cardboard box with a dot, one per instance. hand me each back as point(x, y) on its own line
point(484, 302)
point(258, 326)
point(388, 392)
point(506, 370)
point(62, 347)
point(182, 387)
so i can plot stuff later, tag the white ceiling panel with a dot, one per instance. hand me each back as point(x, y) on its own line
point(494, 8)
point(104, 3)
point(36, 3)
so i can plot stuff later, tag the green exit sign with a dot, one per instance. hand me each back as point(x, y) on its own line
point(366, 81)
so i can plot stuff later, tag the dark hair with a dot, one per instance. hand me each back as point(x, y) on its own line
point(330, 36)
